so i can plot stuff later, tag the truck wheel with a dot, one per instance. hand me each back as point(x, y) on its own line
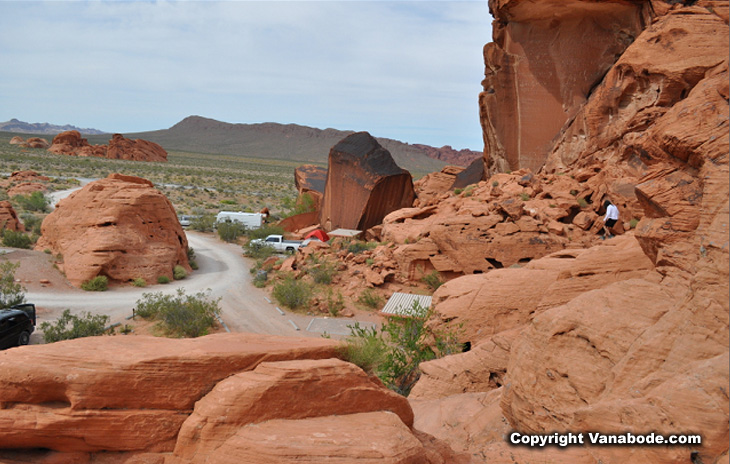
point(24, 338)
point(290, 250)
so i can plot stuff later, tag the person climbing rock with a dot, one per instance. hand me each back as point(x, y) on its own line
point(609, 220)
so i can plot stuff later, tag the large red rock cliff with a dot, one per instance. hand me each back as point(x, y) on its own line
point(632, 335)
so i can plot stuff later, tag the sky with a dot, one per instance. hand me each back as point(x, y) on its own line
point(407, 70)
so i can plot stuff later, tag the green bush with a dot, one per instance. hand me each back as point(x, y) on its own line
point(582, 202)
point(14, 239)
point(258, 250)
point(191, 259)
point(322, 273)
point(356, 246)
point(433, 280)
point(70, 326)
point(335, 304)
point(139, 282)
point(292, 293)
point(229, 231)
point(179, 272)
point(163, 279)
point(11, 292)
point(370, 299)
point(265, 231)
point(180, 315)
point(524, 196)
point(633, 223)
point(395, 352)
point(32, 223)
point(36, 201)
point(97, 284)
point(202, 221)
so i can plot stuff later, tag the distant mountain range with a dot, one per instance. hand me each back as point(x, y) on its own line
point(42, 128)
point(196, 134)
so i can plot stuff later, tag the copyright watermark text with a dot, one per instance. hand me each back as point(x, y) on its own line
point(596, 438)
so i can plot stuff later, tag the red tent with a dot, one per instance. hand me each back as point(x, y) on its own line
point(320, 234)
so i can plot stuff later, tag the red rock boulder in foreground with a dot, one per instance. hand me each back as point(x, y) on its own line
point(240, 398)
point(120, 227)
point(363, 184)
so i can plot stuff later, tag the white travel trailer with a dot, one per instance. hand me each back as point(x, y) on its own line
point(250, 220)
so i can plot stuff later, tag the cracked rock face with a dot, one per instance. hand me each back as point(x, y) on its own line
point(120, 227)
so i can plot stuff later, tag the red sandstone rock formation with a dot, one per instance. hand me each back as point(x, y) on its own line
point(120, 227)
point(363, 184)
point(32, 142)
point(135, 150)
point(311, 180)
point(9, 218)
point(448, 155)
point(212, 399)
point(26, 182)
point(544, 60)
point(432, 187)
point(71, 143)
point(633, 343)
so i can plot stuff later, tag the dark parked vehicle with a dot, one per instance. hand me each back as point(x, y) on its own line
point(16, 325)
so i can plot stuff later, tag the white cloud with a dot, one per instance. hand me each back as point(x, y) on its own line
point(407, 70)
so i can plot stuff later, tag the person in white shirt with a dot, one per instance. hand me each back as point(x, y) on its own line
point(609, 220)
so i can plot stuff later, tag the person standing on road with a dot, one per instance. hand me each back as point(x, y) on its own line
point(609, 220)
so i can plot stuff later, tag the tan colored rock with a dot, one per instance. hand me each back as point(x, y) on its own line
point(92, 401)
point(37, 142)
point(17, 140)
point(9, 218)
point(120, 227)
point(291, 390)
point(121, 147)
point(372, 438)
point(363, 185)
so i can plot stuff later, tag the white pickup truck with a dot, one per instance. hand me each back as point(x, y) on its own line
point(278, 243)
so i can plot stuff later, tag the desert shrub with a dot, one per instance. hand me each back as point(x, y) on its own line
point(495, 183)
point(15, 239)
point(265, 231)
point(36, 201)
point(322, 273)
point(258, 251)
point(433, 280)
point(139, 282)
point(202, 221)
point(163, 279)
point(357, 246)
point(582, 202)
point(11, 292)
point(98, 284)
point(192, 259)
point(292, 293)
point(370, 299)
point(524, 196)
point(32, 223)
point(394, 352)
point(335, 303)
point(229, 231)
point(180, 315)
point(458, 191)
point(633, 223)
point(70, 326)
point(179, 272)
point(260, 279)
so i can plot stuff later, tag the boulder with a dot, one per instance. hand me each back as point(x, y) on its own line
point(26, 188)
point(17, 140)
point(120, 227)
point(363, 184)
point(9, 218)
point(311, 180)
point(84, 394)
point(291, 390)
point(135, 150)
point(71, 143)
point(37, 142)
point(432, 186)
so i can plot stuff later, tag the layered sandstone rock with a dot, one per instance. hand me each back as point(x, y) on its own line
point(9, 218)
point(220, 398)
point(546, 55)
point(431, 187)
point(637, 344)
point(120, 227)
point(363, 184)
point(124, 394)
point(71, 143)
point(135, 150)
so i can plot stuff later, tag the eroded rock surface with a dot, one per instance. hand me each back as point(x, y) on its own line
point(120, 227)
point(71, 143)
point(363, 184)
